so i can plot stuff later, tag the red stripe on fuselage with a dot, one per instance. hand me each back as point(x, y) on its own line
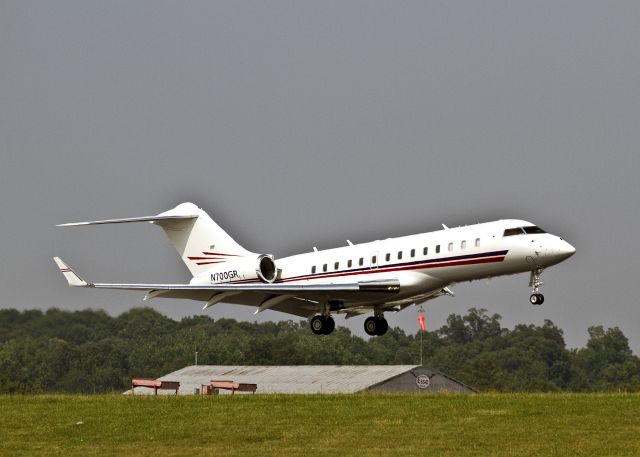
point(206, 258)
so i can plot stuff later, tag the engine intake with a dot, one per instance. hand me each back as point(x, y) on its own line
point(261, 267)
point(266, 270)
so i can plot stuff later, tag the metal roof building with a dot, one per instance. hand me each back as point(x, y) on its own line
point(308, 379)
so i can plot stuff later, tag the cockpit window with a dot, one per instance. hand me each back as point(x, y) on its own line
point(533, 229)
point(522, 230)
point(513, 231)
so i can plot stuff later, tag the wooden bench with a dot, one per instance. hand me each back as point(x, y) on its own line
point(207, 389)
point(155, 384)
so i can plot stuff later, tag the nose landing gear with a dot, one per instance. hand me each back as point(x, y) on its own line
point(536, 298)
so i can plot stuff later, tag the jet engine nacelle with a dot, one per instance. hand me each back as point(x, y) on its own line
point(261, 267)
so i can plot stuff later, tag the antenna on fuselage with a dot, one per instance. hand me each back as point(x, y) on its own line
point(445, 227)
point(349, 243)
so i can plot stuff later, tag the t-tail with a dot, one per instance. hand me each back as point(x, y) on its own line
point(200, 242)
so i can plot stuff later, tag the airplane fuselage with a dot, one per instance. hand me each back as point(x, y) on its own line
point(425, 262)
point(378, 276)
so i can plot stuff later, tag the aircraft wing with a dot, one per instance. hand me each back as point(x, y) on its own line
point(265, 296)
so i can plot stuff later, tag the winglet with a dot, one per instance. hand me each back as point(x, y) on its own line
point(72, 278)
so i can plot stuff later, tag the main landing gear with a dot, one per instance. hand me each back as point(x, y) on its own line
point(536, 298)
point(322, 325)
point(376, 325)
point(373, 326)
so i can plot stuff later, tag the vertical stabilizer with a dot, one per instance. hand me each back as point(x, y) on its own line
point(199, 240)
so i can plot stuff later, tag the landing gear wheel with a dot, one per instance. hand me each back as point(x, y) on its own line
point(376, 326)
point(371, 326)
point(383, 326)
point(330, 325)
point(536, 299)
point(322, 325)
point(317, 325)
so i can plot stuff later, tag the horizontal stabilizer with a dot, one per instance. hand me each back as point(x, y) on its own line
point(72, 278)
point(130, 219)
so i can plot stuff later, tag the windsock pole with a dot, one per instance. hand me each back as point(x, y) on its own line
point(423, 328)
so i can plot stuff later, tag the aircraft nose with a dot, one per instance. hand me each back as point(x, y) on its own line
point(561, 250)
point(566, 250)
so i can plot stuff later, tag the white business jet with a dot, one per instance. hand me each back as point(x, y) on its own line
point(379, 276)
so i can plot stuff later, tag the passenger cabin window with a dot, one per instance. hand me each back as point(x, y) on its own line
point(349, 263)
point(463, 244)
point(477, 242)
point(413, 253)
point(324, 267)
point(313, 270)
point(387, 257)
point(399, 255)
point(336, 265)
point(450, 247)
point(438, 249)
point(361, 261)
point(425, 251)
point(374, 259)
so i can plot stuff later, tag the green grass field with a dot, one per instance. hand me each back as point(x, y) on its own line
point(325, 425)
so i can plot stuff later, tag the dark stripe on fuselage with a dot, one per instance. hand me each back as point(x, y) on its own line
point(470, 259)
point(459, 260)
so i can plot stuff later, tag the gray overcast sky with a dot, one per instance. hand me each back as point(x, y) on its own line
point(300, 124)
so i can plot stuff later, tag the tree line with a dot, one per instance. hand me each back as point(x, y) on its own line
point(91, 351)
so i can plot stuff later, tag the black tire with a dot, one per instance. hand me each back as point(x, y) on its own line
point(383, 326)
point(330, 325)
point(540, 299)
point(318, 325)
point(534, 298)
point(371, 326)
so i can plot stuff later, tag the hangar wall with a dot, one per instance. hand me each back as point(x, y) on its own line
point(421, 380)
point(311, 379)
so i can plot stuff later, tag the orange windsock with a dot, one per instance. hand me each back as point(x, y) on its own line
point(423, 326)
